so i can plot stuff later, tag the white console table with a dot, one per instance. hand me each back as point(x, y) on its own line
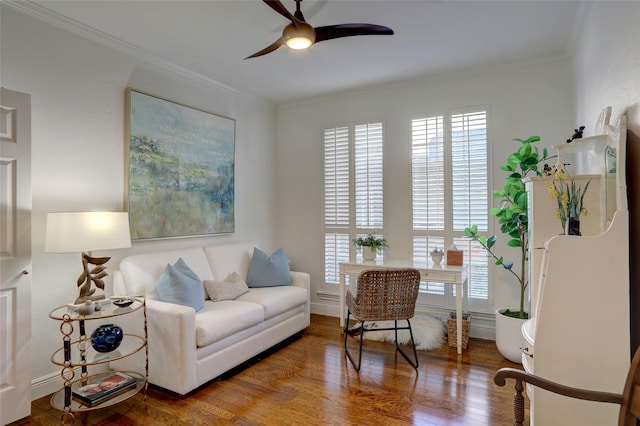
point(453, 275)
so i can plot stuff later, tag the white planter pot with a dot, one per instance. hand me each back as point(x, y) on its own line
point(368, 254)
point(436, 258)
point(509, 338)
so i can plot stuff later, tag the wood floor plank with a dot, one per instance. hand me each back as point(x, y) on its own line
point(311, 382)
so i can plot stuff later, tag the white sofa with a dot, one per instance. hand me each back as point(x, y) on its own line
point(189, 348)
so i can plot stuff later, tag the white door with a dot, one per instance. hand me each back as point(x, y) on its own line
point(15, 255)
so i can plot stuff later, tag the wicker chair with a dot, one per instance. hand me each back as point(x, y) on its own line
point(383, 295)
point(629, 401)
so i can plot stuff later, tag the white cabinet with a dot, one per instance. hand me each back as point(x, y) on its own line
point(579, 333)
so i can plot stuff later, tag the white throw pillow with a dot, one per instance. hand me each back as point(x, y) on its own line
point(232, 287)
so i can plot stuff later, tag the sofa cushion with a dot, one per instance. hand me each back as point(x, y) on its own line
point(275, 300)
point(217, 320)
point(228, 258)
point(180, 285)
point(232, 287)
point(268, 271)
point(140, 272)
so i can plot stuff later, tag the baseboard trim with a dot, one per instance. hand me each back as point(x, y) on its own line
point(53, 382)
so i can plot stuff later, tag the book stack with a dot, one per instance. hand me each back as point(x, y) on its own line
point(104, 389)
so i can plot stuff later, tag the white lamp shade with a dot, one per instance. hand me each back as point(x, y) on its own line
point(70, 232)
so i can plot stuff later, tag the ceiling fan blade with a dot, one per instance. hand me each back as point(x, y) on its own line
point(278, 7)
point(273, 46)
point(347, 30)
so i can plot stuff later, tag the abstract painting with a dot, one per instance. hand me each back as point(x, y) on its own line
point(180, 169)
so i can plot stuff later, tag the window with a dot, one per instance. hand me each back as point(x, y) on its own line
point(449, 165)
point(353, 164)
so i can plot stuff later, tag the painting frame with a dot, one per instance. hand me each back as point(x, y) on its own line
point(180, 169)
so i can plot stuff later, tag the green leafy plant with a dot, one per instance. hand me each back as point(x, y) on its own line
point(371, 241)
point(512, 213)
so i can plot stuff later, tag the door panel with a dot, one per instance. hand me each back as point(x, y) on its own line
point(15, 255)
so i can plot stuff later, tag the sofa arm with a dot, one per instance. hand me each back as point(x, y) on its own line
point(172, 348)
point(118, 284)
point(302, 280)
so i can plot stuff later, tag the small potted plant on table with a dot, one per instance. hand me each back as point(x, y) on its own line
point(370, 245)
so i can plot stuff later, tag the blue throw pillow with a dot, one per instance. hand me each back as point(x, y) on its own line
point(180, 285)
point(183, 268)
point(268, 271)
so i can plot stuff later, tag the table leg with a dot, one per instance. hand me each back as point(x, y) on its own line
point(342, 286)
point(459, 316)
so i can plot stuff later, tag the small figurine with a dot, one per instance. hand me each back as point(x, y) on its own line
point(577, 134)
point(87, 308)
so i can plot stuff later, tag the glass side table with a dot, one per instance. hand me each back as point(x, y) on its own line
point(79, 354)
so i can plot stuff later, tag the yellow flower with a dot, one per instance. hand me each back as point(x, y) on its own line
point(569, 196)
point(559, 174)
point(564, 199)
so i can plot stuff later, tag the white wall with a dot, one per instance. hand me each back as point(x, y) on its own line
point(606, 63)
point(77, 90)
point(523, 99)
point(607, 72)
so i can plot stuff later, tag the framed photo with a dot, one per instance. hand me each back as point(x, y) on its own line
point(180, 169)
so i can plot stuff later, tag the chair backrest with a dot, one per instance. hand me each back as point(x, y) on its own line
point(388, 294)
point(630, 407)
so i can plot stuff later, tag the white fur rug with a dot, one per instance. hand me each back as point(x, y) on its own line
point(428, 332)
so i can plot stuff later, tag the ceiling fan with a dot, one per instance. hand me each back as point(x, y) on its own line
point(299, 35)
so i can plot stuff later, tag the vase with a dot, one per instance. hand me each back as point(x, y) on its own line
point(368, 253)
point(106, 338)
point(436, 258)
point(573, 226)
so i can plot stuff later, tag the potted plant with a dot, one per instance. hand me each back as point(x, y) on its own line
point(513, 218)
point(370, 245)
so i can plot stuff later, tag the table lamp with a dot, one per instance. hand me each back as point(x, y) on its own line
point(83, 232)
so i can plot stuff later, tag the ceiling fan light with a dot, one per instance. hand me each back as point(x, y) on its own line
point(298, 43)
point(300, 37)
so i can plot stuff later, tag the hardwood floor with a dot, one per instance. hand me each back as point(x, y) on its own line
point(311, 382)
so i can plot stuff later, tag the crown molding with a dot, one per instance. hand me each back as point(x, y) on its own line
point(37, 11)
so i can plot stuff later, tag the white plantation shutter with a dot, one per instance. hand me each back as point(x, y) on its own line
point(358, 148)
point(450, 193)
point(336, 201)
point(469, 170)
point(336, 250)
point(368, 175)
point(427, 137)
point(336, 177)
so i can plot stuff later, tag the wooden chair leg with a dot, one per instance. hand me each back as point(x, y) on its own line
point(518, 404)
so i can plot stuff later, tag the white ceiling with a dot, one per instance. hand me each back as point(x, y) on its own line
point(210, 38)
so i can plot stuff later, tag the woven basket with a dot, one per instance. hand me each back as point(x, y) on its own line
point(453, 331)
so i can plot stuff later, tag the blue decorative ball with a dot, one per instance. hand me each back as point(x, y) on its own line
point(106, 338)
